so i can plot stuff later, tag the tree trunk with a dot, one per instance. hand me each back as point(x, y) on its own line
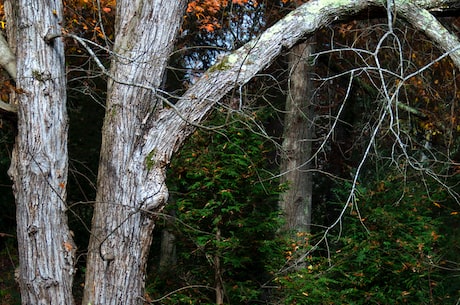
point(168, 257)
point(295, 202)
point(218, 281)
point(39, 160)
point(131, 178)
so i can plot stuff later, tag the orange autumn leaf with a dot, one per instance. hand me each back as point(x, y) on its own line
point(68, 246)
point(208, 27)
point(434, 235)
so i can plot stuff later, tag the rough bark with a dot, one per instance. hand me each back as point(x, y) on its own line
point(168, 257)
point(131, 178)
point(296, 201)
point(39, 160)
point(241, 65)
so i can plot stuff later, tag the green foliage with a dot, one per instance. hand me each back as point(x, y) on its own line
point(397, 253)
point(230, 208)
point(9, 290)
point(7, 206)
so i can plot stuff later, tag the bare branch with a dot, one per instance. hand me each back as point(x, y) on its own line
point(242, 65)
point(424, 21)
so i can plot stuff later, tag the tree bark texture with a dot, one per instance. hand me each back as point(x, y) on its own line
point(425, 22)
point(219, 285)
point(168, 258)
point(295, 202)
point(131, 178)
point(39, 160)
point(7, 61)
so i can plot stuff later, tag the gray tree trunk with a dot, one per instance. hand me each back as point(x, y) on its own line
point(39, 160)
point(295, 202)
point(168, 256)
point(131, 178)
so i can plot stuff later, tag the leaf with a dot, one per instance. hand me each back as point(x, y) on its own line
point(68, 246)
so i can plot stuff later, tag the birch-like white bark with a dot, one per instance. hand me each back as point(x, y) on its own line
point(39, 162)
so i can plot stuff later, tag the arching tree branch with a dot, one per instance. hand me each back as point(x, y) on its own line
point(242, 65)
point(425, 22)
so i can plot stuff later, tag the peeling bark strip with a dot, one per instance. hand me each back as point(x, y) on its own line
point(39, 161)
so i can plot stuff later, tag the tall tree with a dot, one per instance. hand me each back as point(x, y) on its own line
point(142, 130)
point(136, 148)
point(39, 160)
point(296, 200)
